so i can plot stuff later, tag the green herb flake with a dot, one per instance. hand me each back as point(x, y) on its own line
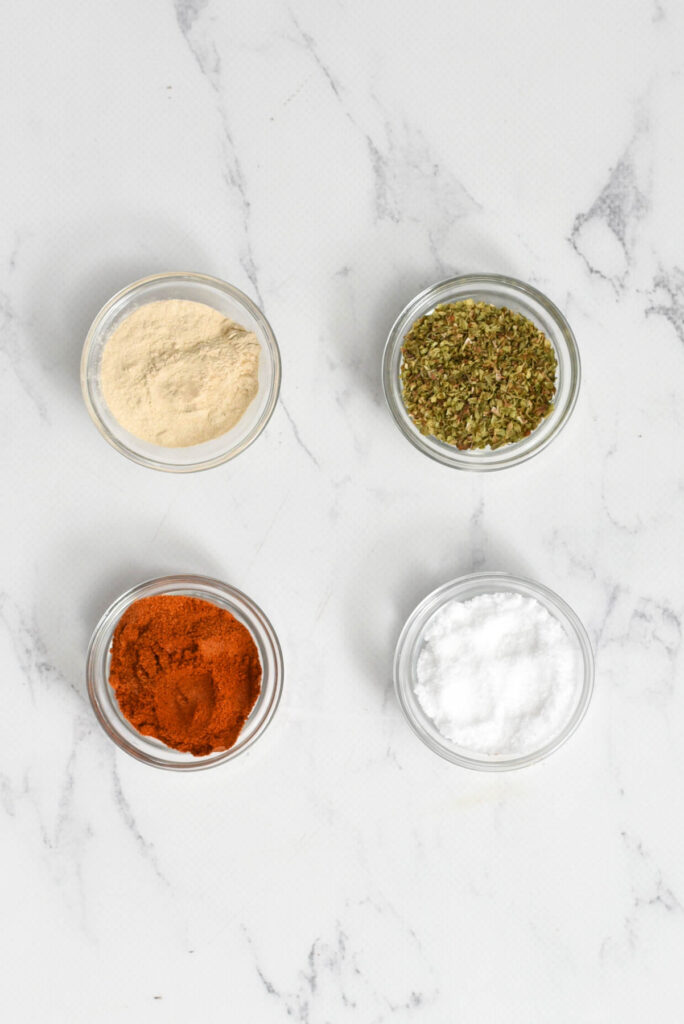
point(476, 376)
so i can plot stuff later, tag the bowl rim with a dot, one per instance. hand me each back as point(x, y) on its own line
point(487, 460)
point(259, 626)
point(271, 342)
point(427, 608)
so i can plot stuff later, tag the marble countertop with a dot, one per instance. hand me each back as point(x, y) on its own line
point(331, 159)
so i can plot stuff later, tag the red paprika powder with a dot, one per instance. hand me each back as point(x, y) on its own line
point(184, 671)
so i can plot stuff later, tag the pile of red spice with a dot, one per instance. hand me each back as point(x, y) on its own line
point(184, 671)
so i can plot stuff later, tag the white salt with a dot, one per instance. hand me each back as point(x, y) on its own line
point(498, 674)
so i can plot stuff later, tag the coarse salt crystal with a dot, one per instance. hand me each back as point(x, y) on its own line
point(498, 674)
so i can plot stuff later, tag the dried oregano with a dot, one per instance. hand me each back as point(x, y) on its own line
point(477, 376)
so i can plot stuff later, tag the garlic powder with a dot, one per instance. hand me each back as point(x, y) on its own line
point(177, 373)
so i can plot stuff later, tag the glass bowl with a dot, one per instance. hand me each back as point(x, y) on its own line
point(411, 642)
point(498, 291)
point(146, 748)
point(233, 304)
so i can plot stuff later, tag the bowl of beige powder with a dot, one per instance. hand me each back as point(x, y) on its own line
point(180, 372)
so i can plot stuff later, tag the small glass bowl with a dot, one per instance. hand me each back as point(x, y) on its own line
point(233, 304)
point(146, 748)
point(497, 291)
point(411, 641)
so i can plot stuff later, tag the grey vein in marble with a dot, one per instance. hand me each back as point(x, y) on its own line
point(30, 650)
point(631, 529)
point(603, 236)
point(11, 347)
point(409, 183)
point(195, 31)
point(7, 796)
point(477, 537)
point(615, 591)
point(129, 820)
point(582, 565)
point(310, 45)
point(667, 299)
point(649, 888)
point(298, 438)
point(654, 624)
point(334, 970)
point(412, 184)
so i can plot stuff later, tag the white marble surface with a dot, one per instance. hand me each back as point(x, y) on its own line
point(332, 158)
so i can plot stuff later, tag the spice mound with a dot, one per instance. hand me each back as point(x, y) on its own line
point(178, 373)
point(497, 674)
point(184, 671)
point(476, 376)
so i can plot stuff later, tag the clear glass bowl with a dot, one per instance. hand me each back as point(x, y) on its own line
point(233, 304)
point(498, 291)
point(146, 748)
point(411, 642)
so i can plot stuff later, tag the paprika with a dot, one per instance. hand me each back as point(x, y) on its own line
point(184, 671)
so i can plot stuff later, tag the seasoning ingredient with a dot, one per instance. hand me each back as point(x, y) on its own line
point(185, 671)
point(177, 373)
point(497, 674)
point(476, 375)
